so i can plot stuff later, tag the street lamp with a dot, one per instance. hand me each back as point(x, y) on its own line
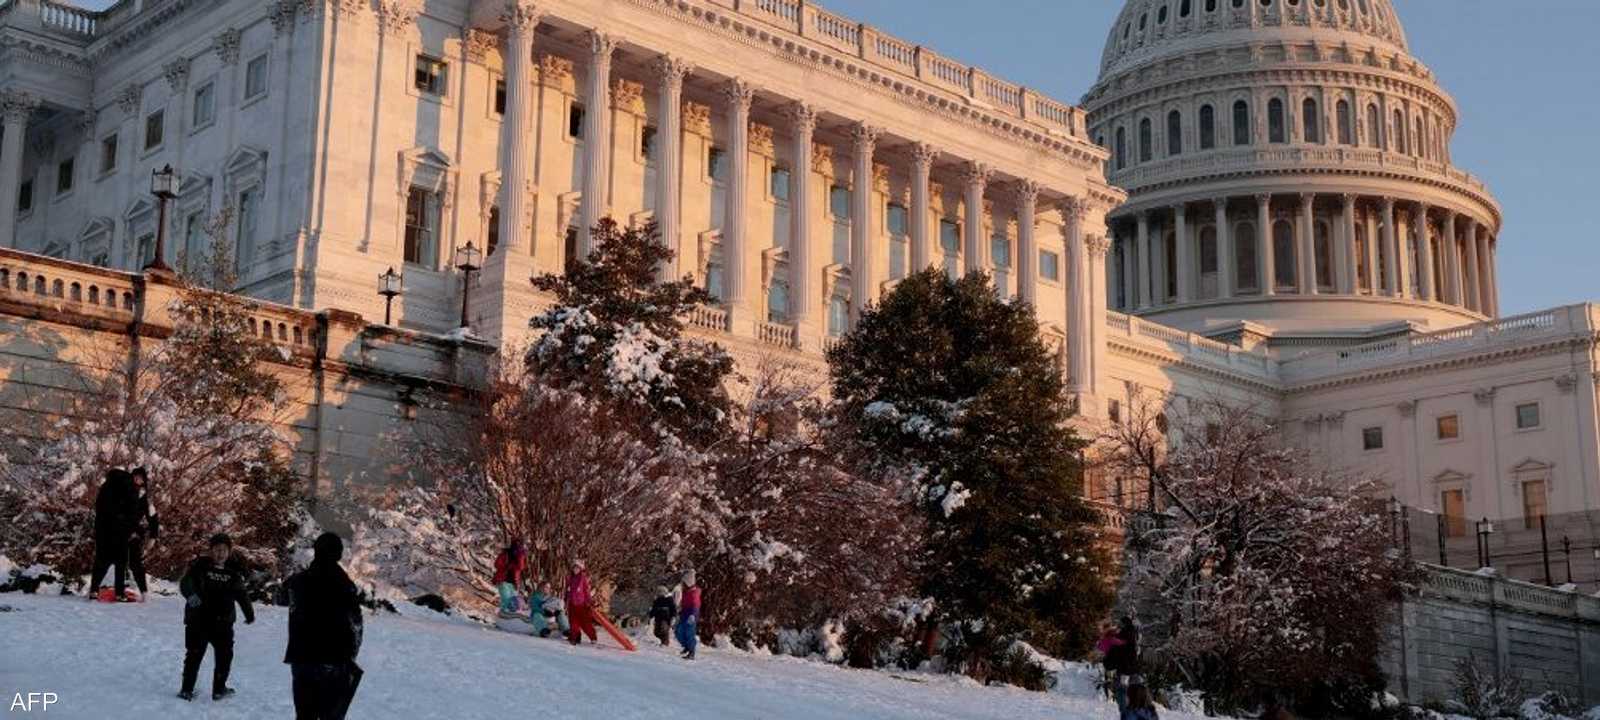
point(390, 284)
point(163, 185)
point(468, 259)
point(1485, 529)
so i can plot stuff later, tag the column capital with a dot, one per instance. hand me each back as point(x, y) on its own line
point(1074, 208)
point(1349, 199)
point(739, 94)
point(976, 173)
point(1388, 205)
point(17, 105)
point(1026, 192)
point(1098, 245)
point(177, 74)
point(1263, 199)
point(226, 45)
point(1306, 199)
point(863, 137)
point(802, 116)
point(521, 16)
point(602, 44)
point(397, 16)
point(671, 70)
point(923, 154)
point(553, 69)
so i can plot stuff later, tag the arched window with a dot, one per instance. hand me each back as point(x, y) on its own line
point(1419, 139)
point(1211, 5)
point(1161, 16)
point(1313, 126)
point(1241, 123)
point(1275, 128)
point(1283, 260)
point(1347, 133)
point(1238, 3)
point(1122, 148)
point(1400, 132)
point(1323, 244)
point(1145, 149)
point(1374, 127)
point(1246, 274)
point(1208, 127)
point(1174, 133)
point(1183, 9)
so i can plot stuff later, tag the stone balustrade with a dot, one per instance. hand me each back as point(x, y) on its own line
point(1193, 347)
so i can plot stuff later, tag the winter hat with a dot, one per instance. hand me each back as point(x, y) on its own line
point(663, 591)
point(221, 539)
point(327, 548)
point(688, 578)
point(577, 564)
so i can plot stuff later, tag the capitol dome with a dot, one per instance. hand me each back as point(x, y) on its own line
point(1288, 169)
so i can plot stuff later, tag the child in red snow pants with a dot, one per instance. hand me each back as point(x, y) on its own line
point(582, 619)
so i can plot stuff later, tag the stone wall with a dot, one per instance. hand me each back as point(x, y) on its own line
point(1547, 638)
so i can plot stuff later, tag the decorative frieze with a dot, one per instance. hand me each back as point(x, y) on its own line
point(555, 71)
point(627, 96)
point(761, 140)
point(822, 159)
point(478, 44)
point(697, 118)
point(397, 17)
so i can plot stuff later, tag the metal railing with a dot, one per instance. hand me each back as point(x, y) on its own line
point(1552, 550)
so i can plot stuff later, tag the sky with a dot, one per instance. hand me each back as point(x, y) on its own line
point(1524, 75)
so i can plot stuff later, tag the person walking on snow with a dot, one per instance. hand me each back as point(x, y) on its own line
point(689, 616)
point(661, 611)
point(508, 575)
point(113, 524)
point(579, 611)
point(146, 528)
point(324, 634)
point(211, 587)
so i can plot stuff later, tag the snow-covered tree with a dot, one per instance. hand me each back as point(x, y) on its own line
point(952, 388)
point(197, 409)
point(1262, 576)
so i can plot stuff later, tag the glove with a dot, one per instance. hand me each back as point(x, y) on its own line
point(194, 601)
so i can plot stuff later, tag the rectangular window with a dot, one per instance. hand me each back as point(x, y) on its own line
point(897, 258)
point(575, 121)
point(25, 197)
point(146, 247)
point(155, 127)
point(431, 75)
point(779, 183)
point(1534, 503)
point(1114, 412)
point(717, 164)
point(194, 232)
point(1000, 250)
point(494, 229)
point(499, 97)
point(950, 245)
point(1372, 438)
point(249, 216)
point(647, 143)
point(64, 173)
point(422, 227)
point(1527, 416)
point(1447, 427)
point(1453, 506)
point(897, 220)
point(1049, 265)
point(255, 77)
point(108, 154)
point(205, 106)
point(839, 202)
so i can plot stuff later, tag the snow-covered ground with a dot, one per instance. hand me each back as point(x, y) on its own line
point(123, 661)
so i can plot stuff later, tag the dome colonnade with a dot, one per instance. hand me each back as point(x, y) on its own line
point(1280, 150)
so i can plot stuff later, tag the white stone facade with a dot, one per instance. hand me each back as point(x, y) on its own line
point(352, 136)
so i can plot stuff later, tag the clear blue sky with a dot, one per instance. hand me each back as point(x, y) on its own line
point(1524, 73)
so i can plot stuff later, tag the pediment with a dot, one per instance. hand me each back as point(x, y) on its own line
point(1451, 476)
point(245, 159)
point(1531, 465)
point(97, 225)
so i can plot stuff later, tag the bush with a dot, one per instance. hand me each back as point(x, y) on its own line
point(1485, 694)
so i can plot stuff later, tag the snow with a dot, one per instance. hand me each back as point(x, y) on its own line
point(123, 661)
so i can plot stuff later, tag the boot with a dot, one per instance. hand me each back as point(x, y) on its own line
point(221, 693)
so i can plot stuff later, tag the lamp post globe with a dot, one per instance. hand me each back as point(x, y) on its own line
point(390, 284)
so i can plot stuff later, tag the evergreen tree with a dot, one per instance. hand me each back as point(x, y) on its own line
point(952, 387)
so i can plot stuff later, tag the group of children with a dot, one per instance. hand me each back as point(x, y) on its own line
point(572, 614)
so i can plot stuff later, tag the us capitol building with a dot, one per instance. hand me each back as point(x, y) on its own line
point(1254, 202)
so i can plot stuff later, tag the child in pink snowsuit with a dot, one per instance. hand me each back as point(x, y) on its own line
point(579, 613)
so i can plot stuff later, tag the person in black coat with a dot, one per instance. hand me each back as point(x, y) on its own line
point(146, 528)
point(113, 525)
point(1123, 660)
point(662, 611)
point(212, 586)
point(324, 634)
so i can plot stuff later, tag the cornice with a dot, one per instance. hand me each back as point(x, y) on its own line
point(1551, 346)
point(15, 47)
point(1167, 358)
point(1077, 150)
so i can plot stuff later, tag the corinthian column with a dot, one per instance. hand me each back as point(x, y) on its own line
point(516, 155)
point(15, 107)
point(738, 95)
point(1419, 223)
point(922, 155)
point(803, 123)
point(1079, 302)
point(1397, 272)
point(1307, 246)
point(1184, 252)
point(863, 138)
point(1349, 280)
point(975, 177)
point(1269, 271)
point(670, 71)
point(1027, 197)
point(1142, 268)
point(596, 129)
point(1452, 261)
point(1226, 262)
point(1471, 297)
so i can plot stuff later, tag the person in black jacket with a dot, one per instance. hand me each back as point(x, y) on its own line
point(113, 524)
point(1123, 661)
point(212, 586)
point(146, 528)
point(662, 611)
point(324, 634)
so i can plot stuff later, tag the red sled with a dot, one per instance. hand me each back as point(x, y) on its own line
point(614, 632)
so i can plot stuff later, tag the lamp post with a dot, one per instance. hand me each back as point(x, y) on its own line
point(468, 259)
point(163, 185)
point(1566, 554)
point(1485, 529)
point(390, 284)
